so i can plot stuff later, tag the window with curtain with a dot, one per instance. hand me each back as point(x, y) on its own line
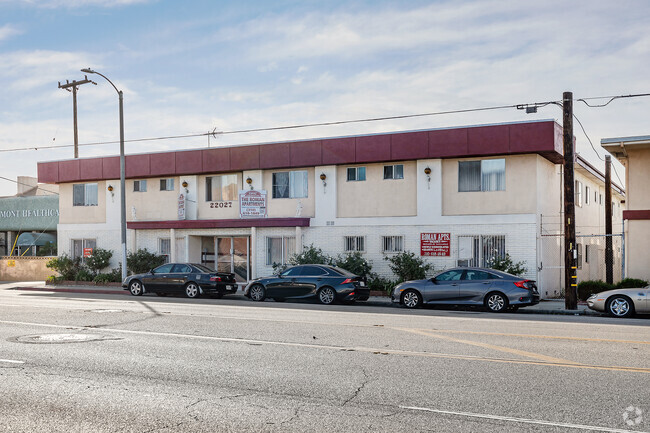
point(280, 249)
point(356, 174)
point(167, 184)
point(483, 175)
point(290, 184)
point(394, 171)
point(84, 194)
point(139, 185)
point(221, 188)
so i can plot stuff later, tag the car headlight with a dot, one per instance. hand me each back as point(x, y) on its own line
point(592, 297)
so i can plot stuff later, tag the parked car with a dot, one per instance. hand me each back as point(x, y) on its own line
point(621, 302)
point(177, 278)
point(327, 283)
point(496, 290)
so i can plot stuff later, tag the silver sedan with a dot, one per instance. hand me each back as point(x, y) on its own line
point(621, 302)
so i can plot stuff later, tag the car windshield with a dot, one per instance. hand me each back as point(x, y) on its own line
point(203, 268)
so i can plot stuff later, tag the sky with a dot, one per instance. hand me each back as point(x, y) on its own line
point(192, 67)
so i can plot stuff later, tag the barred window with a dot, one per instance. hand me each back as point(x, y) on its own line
point(164, 248)
point(355, 243)
point(393, 244)
point(480, 251)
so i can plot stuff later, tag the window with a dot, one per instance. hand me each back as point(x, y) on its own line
point(164, 248)
point(450, 276)
point(595, 197)
point(164, 269)
point(587, 194)
point(290, 184)
point(355, 243)
point(394, 171)
point(484, 175)
point(139, 185)
point(578, 193)
point(221, 188)
point(181, 269)
point(601, 199)
point(312, 271)
point(587, 251)
point(393, 244)
point(479, 251)
point(79, 245)
point(167, 184)
point(356, 173)
point(477, 275)
point(279, 249)
point(84, 194)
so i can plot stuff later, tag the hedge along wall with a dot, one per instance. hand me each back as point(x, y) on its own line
point(25, 268)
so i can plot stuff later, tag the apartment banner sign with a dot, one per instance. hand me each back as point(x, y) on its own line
point(252, 204)
point(435, 244)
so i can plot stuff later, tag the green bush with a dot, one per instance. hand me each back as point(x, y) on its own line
point(66, 266)
point(142, 261)
point(589, 287)
point(355, 263)
point(407, 266)
point(310, 255)
point(375, 282)
point(84, 274)
point(506, 264)
point(99, 259)
point(110, 277)
point(631, 283)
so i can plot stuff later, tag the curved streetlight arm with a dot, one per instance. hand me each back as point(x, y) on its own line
point(90, 71)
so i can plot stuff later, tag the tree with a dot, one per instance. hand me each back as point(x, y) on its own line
point(506, 264)
point(407, 266)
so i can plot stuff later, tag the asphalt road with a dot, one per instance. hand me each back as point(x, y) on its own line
point(101, 363)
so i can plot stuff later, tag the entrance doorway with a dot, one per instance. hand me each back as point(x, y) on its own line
point(233, 255)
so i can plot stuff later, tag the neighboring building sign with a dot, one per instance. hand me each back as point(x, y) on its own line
point(252, 204)
point(435, 244)
point(182, 206)
point(34, 213)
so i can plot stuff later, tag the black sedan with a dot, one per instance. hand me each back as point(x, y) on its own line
point(495, 290)
point(327, 283)
point(181, 278)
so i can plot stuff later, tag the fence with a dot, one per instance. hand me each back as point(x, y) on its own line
point(15, 268)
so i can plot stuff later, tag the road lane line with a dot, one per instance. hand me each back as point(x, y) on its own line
point(523, 353)
point(522, 420)
point(374, 351)
point(11, 361)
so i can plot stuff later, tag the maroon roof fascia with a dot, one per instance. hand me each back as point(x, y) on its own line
point(543, 138)
point(636, 214)
point(225, 223)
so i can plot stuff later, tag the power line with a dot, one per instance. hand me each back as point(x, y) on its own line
point(27, 184)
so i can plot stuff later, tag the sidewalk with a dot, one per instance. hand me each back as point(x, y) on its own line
point(547, 306)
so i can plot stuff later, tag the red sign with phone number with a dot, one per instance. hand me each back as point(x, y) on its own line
point(435, 244)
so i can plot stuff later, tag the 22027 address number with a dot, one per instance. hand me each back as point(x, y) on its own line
point(221, 204)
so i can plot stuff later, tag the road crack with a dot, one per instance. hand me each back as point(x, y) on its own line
point(365, 381)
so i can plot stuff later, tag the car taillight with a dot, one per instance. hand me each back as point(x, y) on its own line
point(523, 284)
point(347, 280)
point(215, 278)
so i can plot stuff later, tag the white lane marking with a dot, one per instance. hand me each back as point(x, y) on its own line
point(522, 420)
point(11, 361)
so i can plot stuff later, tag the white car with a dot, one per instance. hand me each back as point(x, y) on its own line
point(621, 302)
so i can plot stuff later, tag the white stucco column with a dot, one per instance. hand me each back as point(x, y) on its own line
point(253, 253)
point(298, 240)
point(172, 245)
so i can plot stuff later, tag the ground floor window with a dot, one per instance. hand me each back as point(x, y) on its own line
point(392, 244)
point(479, 251)
point(165, 248)
point(280, 249)
point(82, 247)
point(355, 243)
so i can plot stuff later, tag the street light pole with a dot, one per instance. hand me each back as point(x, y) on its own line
point(122, 171)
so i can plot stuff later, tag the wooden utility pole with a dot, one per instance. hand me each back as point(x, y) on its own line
point(74, 85)
point(570, 269)
point(609, 252)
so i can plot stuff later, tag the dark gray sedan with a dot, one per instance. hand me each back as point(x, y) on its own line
point(496, 290)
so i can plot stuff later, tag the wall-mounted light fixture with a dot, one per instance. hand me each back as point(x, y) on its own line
point(323, 177)
point(110, 189)
point(427, 171)
point(185, 185)
point(249, 181)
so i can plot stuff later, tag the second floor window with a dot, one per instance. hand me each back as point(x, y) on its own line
point(578, 192)
point(483, 175)
point(167, 184)
point(221, 188)
point(139, 185)
point(84, 194)
point(394, 171)
point(356, 173)
point(290, 184)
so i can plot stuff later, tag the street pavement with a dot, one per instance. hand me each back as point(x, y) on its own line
point(100, 362)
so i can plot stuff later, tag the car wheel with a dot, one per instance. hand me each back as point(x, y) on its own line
point(327, 295)
point(496, 302)
point(192, 290)
point(411, 299)
point(135, 287)
point(257, 293)
point(620, 306)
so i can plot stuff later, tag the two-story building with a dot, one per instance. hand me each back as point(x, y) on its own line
point(456, 196)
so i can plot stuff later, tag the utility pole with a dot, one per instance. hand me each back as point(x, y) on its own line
point(74, 86)
point(609, 252)
point(570, 268)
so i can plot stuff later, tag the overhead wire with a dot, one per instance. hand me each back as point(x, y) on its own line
point(27, 184)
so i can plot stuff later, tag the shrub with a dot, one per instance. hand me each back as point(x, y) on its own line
point(407, 266)
point(375, 282)
point(631, 283)
point(506, 264)
point(310, 255)
point(109, 277)
point(143, 261)
point(355, 263)
point(587, 288)
point(84, 274)
point(66, 266)
point(99, 259)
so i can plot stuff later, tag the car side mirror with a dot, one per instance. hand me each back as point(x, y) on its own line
point(434, 281)
point(151, 271)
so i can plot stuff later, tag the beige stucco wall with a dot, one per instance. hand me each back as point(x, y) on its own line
point(638, 169)
point(287, 207)
point(521, 180)
point(152, 204)
point(82, 214)
point(376, 196)
point(549, 187)
point(638, 261)
point(217, 209)
point(25, 268)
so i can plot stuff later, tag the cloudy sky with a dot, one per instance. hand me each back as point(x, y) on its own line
point(196, 66)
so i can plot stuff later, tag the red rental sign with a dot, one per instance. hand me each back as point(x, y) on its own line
point(88, 252)
point(435, 244)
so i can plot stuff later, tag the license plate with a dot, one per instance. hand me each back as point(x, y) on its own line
point(228, 287)
point(361, 283)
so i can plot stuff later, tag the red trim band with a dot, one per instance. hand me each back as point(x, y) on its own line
point(218, 224)
point(636, 214)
